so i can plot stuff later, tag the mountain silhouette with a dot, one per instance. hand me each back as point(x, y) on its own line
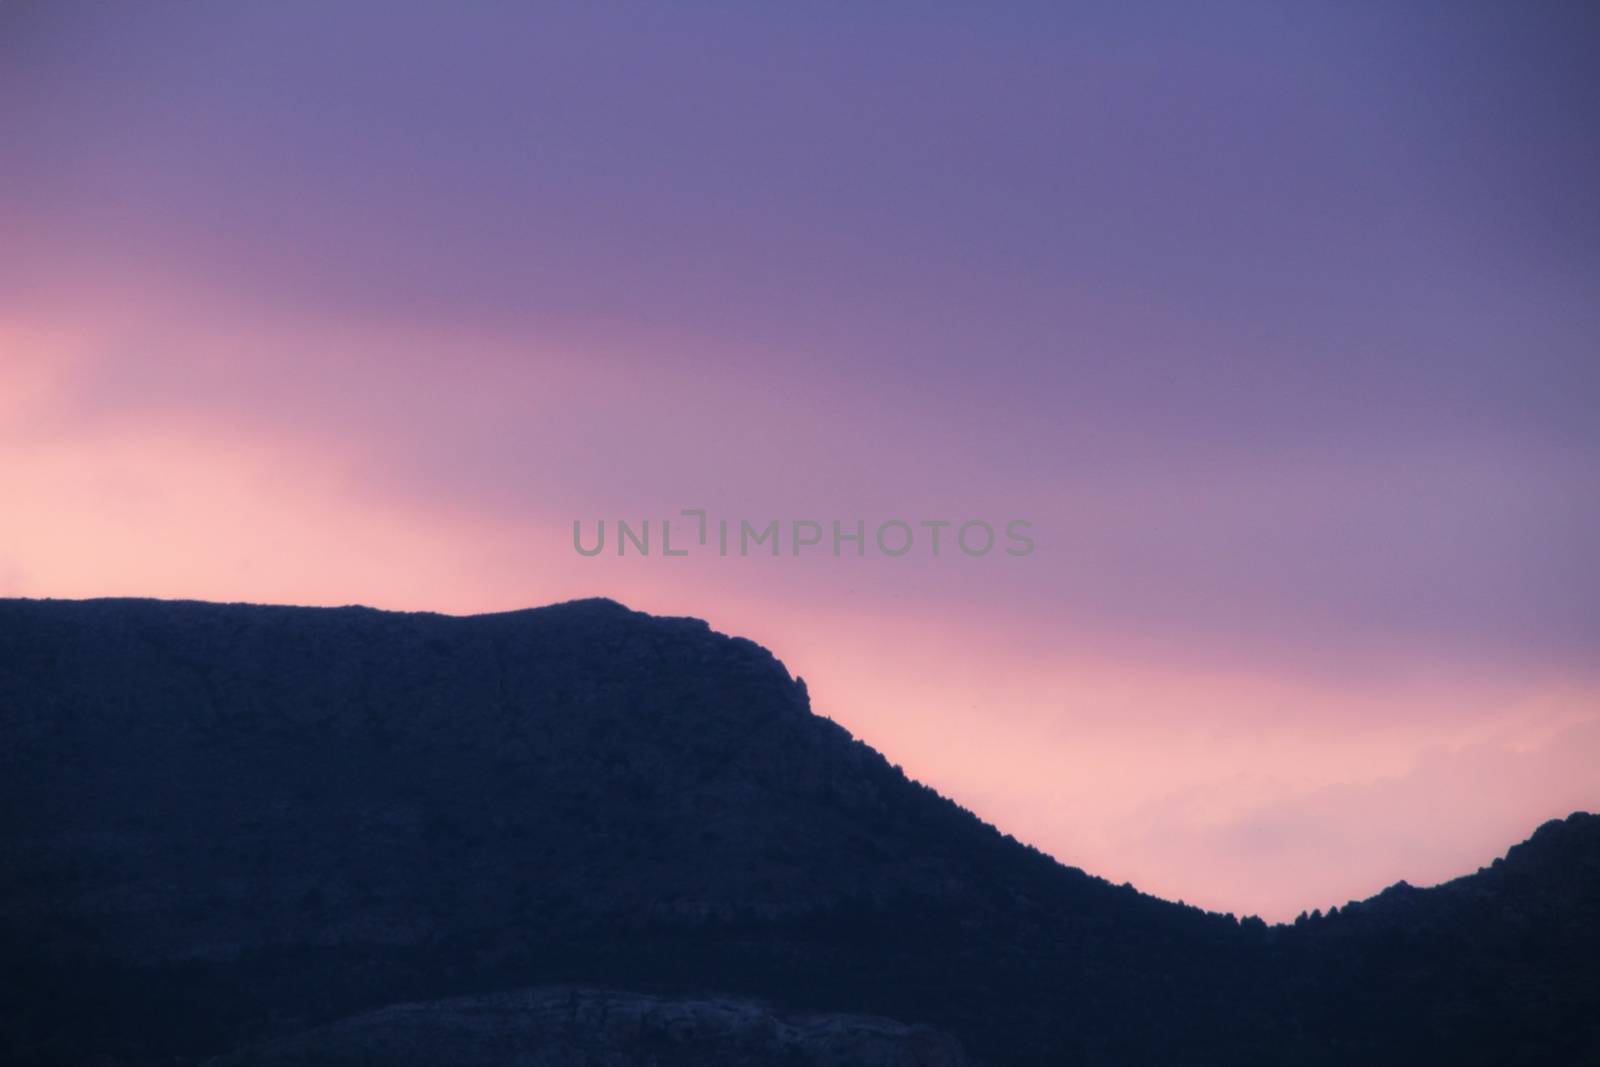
point(273, 835)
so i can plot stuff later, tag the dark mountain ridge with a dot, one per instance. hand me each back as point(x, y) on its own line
point(222, 825)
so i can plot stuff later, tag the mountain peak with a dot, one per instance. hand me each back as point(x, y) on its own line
point(235, 823)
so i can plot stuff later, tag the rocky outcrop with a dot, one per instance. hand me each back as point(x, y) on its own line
point(570, 1027)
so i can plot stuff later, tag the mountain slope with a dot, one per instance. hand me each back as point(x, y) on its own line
point(223, 824)
point(1501, 966)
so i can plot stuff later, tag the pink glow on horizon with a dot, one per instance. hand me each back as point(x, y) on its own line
point(1254, 787)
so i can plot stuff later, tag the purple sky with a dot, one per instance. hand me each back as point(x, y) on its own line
point(1279, 323)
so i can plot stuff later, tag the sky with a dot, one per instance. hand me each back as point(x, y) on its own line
point(1277, 323)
